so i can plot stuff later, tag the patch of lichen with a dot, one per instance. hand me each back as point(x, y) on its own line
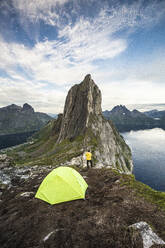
point(143, 190)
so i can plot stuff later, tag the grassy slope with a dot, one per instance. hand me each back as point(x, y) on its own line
point(44, 151)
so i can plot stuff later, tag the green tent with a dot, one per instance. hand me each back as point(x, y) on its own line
point(62, 184)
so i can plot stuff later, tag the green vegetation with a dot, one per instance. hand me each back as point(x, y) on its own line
point(44, 149)
point(117, 165)
point(127, 163)
point(144, 191)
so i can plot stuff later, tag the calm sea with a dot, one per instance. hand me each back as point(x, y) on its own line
point(148, 151)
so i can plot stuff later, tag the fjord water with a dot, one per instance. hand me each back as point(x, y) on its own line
point(148, 152)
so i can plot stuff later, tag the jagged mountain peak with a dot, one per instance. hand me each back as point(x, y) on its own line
point(120, 109)
point(14, 107)
point(27, 107)
point(87, 78)
point(83, 118)
point(82, 100)
point(88, 81)
point(82, 127)
point(11, 107)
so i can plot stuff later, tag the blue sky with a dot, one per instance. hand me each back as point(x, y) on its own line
point(46, 46)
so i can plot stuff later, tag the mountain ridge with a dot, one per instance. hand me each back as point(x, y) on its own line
point(18, 123)
point(126, 120)
point(81, 127)
point(16, 119)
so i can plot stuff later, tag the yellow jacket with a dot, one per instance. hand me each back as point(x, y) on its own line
point(88, 155)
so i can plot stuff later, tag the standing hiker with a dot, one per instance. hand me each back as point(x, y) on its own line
point(88, 155)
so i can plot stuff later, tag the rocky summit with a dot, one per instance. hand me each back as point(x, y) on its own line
point(16, 119)
point(81, 127)
point(83, 101)
point(83, 116)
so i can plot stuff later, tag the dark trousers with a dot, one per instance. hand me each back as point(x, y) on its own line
point(89, 163)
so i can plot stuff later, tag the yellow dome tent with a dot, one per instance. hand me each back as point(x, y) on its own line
point(62, 184)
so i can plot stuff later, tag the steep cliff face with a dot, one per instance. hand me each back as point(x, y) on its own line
point(83, 117)
point(82, 100)
point(82, 126)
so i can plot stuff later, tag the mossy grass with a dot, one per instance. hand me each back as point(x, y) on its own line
point(127, 163)
point(143, 190)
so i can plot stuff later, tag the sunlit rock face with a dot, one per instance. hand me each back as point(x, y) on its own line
point(83, 117)
point(82, 100)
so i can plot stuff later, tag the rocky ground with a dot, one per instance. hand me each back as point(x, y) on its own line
point(101, 220)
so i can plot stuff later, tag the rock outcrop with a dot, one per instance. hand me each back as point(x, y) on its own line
point(82, 101)
point(83, 117)
point(149, 237)
point(81, 127)
point(5, 161)
point(27, 108)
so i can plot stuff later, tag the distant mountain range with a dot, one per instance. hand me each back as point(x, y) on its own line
point(17, 123)
point(126, 120)
point(155, 114)
point(16, 119)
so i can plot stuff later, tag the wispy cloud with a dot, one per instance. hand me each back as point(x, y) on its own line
point(79, 45)
point(34, 10)
point(74, 51)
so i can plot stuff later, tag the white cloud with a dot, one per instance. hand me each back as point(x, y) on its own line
point(33, 9)
point(130, 14)
point(131, 92)
point(17, 92)
point(31, 12)
point(69, 58)
point(58, 61)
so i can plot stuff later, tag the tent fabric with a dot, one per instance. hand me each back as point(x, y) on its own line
point(62, 184)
